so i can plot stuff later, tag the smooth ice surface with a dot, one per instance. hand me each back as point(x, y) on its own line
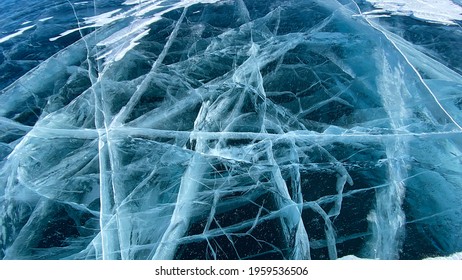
point(234, 129)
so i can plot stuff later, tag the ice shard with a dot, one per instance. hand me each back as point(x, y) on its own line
point(230, 129)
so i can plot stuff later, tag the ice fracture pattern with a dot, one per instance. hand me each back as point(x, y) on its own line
point(233, 129)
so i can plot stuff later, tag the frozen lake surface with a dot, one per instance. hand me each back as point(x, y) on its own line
point(232, 129)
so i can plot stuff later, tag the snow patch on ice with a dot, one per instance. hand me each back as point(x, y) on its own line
point(127, 38)
point(120, 53)
point(45, 19)
point(17, 33)
point(442, 11)
point(67, 32)
point(93, 22)
point(134, 2)
point(124, 40)
point(103, 19)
